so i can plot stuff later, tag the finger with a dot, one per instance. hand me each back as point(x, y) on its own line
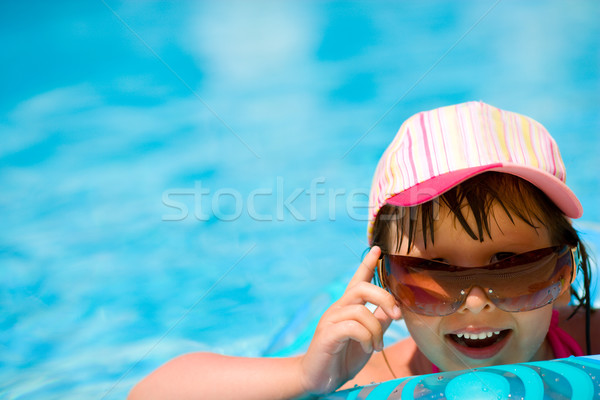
point(365, 270)
point(350, 329)
point(363, 316)
point(364, 292)
point(384, 320)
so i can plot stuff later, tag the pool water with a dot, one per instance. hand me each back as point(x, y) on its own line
point(192, 176)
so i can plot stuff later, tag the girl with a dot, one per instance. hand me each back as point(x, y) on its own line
point(473, 247)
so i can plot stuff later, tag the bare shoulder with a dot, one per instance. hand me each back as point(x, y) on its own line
point(404, 359)
point(575, 326)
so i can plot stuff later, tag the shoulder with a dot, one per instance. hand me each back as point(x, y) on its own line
point(575, 326)
point(404, 358)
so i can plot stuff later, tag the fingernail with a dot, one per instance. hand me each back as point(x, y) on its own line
point(396, 311)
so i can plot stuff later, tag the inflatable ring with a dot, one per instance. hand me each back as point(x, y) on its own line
point(567, 378)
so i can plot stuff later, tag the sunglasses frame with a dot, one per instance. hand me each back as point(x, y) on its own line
point(498, 267)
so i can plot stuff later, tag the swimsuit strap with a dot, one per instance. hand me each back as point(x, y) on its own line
point(562, 344)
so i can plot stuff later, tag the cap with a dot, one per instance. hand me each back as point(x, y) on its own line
point(436, 150)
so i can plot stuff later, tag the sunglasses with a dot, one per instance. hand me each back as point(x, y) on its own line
point(522, 282)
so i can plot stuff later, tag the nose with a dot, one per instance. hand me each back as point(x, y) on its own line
point(476, 301)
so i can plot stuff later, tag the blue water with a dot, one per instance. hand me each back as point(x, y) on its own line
point(183, 177)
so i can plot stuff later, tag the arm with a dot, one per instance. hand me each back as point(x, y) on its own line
point(213, 376)
point(345, 338)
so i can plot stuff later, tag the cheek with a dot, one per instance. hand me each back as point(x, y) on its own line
point(421, 327)
point(534, 325)
point(425, 331)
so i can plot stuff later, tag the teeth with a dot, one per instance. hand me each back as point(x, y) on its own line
point(478, 336)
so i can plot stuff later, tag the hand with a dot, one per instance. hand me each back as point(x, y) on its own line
point(348, 332)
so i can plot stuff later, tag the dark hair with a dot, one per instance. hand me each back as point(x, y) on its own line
point(516, 196)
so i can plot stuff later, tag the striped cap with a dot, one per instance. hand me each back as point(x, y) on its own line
point(436, 150)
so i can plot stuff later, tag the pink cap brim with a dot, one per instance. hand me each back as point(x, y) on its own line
point(553, 187)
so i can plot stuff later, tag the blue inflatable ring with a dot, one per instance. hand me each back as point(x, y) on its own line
point(567, 378)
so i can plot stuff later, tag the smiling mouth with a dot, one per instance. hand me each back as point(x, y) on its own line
point(479, 340)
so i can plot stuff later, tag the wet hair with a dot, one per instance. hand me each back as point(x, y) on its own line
point(517, 197)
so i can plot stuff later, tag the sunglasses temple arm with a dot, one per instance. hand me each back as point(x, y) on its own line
point(377, 274)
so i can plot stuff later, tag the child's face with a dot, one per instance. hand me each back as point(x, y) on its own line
point(522, 333)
